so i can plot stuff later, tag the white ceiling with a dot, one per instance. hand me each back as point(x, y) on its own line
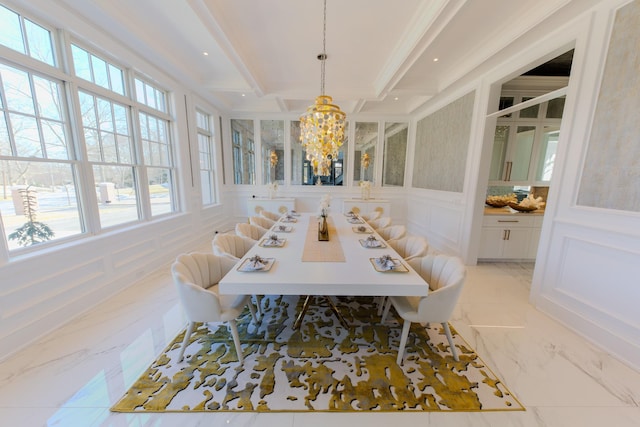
point(262, 53)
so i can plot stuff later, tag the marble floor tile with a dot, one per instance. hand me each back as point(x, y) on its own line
point(72, 376)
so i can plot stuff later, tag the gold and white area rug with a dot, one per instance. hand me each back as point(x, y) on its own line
point(321, 367)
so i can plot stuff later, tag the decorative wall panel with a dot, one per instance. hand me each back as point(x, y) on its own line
point(442, 141)
point(611, 176)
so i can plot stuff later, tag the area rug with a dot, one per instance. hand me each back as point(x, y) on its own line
point(323, 366)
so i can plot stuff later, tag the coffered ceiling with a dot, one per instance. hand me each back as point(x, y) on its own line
point(261, 55)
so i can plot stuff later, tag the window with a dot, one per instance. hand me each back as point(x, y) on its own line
point(244, 166)
point(26, 37)
point(206, 158)
point(96, 70)
point(301, 168)
point(107, 136)
point(39, 200)
point(156, 148)
point(127, 158)
point(272, 143)
point(366, 139)
point(237, 158)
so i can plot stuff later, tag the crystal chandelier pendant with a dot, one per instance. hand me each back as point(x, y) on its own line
point(322, 126)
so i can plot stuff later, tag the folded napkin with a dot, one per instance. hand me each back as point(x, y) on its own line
point(372, 242)
point(255, 263)
point(272, 240)
point(385, 262)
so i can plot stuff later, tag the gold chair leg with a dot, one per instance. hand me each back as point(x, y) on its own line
point(305, 306)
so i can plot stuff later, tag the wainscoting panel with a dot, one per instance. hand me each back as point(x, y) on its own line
point(50, 290)
point(437, 219)
point(591, 285)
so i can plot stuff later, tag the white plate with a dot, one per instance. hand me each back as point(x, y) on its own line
point(245, 267)
point(355, 221)
point(284, 229)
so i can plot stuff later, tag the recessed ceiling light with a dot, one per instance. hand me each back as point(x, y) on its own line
point(435, 59)
point(396, 98)
point(205, 53)
point(243, 94)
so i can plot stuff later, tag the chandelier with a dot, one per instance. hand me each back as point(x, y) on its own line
point(322, 126)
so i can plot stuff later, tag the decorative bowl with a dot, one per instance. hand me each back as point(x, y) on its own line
point(496, 204)
point(520, 208)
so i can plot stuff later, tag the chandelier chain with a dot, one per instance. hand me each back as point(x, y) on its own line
point(324, 48)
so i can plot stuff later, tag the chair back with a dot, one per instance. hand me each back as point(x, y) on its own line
point(409, 247)
point(249, 231)
point(196, 276)
point(379, 223)
point(393, 232)
point(231, 246)
point(371, 216)
point(445, 275)
point(270, 215)
point(261, 221)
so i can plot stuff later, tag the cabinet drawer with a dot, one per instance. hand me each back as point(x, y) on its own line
point(509, 221)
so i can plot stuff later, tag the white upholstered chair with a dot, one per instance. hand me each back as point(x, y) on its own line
point(231, 245)
point(371, 215)
point(393, 232)
point(261, 221)
point(196, 277)
point(379, 223)
point(409, 247)
point(445, 275)
point(270, 215)
point(234, 247)
point(250, 231)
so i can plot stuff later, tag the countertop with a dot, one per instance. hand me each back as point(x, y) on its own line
point(508, 211)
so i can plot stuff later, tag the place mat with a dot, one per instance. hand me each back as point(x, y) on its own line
point(326, 251)
point(320, 367)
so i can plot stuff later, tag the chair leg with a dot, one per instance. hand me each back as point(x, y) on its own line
point(252, 309)
point(385, 312)
point(403, 340)
point(381, 302)
point(447, 332)
point(236, 339)
point(187, 335)
point(258, 305)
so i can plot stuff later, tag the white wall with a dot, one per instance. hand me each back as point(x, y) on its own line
point(588, 260)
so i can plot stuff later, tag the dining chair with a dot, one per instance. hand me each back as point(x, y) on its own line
point(409, 247)
point(393, 232)
point(270, 215)
point(249, 231)
point(371, 215)
point(231, 245)
point(261, 221)
point(379, 223)
point(234, 247)
point(445, 275)
point(196, 277)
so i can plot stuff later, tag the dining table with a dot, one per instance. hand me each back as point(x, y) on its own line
point(290, 260)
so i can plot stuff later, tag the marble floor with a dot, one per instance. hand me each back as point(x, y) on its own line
point(72, 376)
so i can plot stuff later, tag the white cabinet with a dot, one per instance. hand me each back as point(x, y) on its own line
point(367, 206)
point(512, 236)
point(276, 204)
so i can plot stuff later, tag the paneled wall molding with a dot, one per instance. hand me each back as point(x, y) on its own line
point(74, 278)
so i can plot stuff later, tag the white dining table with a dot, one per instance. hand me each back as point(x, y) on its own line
point(289, 275)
